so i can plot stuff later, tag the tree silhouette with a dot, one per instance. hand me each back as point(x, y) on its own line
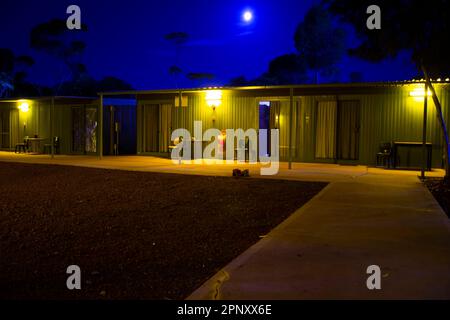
point(178, 39)
point(55, 39)
point(320, 43)
point(288, 69)
point(418, 26)
point(13, 73)
point(239, 81)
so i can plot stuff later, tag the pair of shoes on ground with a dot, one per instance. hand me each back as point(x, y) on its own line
point(241, 173)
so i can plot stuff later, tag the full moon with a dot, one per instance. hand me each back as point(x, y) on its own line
point(247, 16)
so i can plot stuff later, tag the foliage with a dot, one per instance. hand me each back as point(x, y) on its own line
point(54, 39)
point(13, 74)
point(87, 86)
point(320, 42)
point(288, 69)
point(421, 27)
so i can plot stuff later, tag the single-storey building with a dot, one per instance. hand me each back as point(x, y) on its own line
point(332, 123)
point(71, 121)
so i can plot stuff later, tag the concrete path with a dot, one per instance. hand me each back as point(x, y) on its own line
point(323, 250)
point(300, 171)
point(365, 216)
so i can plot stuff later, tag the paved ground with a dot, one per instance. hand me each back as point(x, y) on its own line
point(323, 250)
point(300, 171)
point(365, 216)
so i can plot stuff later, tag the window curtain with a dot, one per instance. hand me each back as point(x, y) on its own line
point(326, 130)
point(15, 137)
point(348, 132)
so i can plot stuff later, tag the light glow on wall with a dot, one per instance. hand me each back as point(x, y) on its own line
point(213, 98)
point(24, 106)
point(419, 93)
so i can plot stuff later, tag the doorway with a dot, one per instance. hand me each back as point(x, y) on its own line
point(337, 130)
point(348, 130)
point(157, 126)
point(264, 123)
point(84, 129)
point(5, 128)
point(119, 130)
point(269, 118)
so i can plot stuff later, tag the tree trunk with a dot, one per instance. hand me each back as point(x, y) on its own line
point(442, 122)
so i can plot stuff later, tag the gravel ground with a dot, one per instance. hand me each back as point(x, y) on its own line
point(441, 192)
point(135, 235)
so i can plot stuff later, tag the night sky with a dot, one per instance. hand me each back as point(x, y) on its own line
point(126, 39)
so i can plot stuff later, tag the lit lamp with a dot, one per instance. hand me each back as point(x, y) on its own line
point(419, 93)
point(214, 98)
point(24, 106)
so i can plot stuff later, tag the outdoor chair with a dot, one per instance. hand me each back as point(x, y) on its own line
point(175, 145)
point(242, 145)
point(384, 155)
point(22, 146)
point(48, 146)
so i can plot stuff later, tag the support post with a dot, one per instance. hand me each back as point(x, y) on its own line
point(291, 107)
point(52, 128)
point(100, 129)
point(10, 130)
point(424, 133)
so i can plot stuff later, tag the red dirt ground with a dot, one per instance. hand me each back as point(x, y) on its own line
point(440, 189)
point(135, 235)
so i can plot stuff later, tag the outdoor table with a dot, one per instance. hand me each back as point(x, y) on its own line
point(409, 144)
point(35, 144)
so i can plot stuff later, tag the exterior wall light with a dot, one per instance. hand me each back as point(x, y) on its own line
point(24, 106)
point(214, 98)
point(419, 93)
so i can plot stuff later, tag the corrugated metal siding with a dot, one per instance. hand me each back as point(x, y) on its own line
point(388, 115)
point(392, 116)
point(37, 121)
point(234, 112)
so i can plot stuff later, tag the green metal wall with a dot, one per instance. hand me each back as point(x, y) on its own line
point(235, 112)
point(389, 115)
point(37, 122)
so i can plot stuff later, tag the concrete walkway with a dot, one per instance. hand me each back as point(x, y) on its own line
point(323, 250)
point(365, 216)
point(300, 171)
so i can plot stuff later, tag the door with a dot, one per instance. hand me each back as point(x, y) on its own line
point(84, 129)
point(4, 128)
point(77, 130)
point(120, 130)
point(90, 130)
point(151, 127)
point(264, 123)
point(348, 130)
